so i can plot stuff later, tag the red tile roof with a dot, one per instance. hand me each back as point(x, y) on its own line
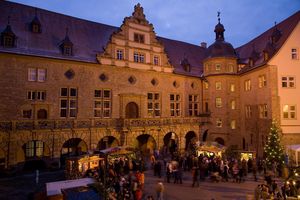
point(261, 42)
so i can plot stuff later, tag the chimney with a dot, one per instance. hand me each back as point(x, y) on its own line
point(203, 44)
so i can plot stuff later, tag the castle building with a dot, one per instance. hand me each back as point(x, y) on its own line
point(70, 85)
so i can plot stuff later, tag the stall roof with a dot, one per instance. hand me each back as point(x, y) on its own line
point(295, 147)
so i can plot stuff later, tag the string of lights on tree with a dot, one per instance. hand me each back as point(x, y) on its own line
point(273, 151)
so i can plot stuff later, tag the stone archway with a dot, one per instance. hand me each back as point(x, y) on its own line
point(35, 153)
point(170, 142)
point(132, 110)
point(74, 146)
point(189, 137)
point(146, 144)
point(220, 141)
point(107, 142)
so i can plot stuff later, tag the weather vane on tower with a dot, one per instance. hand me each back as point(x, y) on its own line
point(219, 16)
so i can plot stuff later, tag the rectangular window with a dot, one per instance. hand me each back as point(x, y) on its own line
point(140, 38)
point(263, 111)
point(219, 123)
point(175, 105)
point(233, 124)
point(194, 105)
point(247, 85)
point(154, 104)
point(218, 86)
point(36, 74)
point(248, 111)
point(156, 60)
point(289, 112)
point(288, 82)
point(120, 55)
point(232, 87)
point(102, 103)
point(230, 68)
point(139, 57)
point(218, 67)
point(68, 102)
point(233, 104)
point(262, 81)
point(218, 102)
point(36, 95)
point(294, 53)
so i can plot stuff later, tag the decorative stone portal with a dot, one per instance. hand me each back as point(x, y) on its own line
point(170, 142)
point(189, 137)
point(132, 110)
point(107, 142)
point(146, 144)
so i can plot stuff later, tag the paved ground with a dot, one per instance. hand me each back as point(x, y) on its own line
point(18, 188)
point(206, 191)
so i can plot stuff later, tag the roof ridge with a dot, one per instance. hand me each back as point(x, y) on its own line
point(279, 24)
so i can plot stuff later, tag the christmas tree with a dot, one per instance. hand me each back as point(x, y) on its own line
point(273, 150)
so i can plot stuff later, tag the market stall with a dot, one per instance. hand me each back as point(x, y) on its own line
point(210, 149)
point(77, 166)
point(119, 152)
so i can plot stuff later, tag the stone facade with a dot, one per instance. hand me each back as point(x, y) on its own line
point(159, 92)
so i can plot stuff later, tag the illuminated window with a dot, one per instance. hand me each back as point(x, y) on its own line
point(102, 103)
point(232, 87)
point(34, 148)
point(262, 81)
point(154, 103)
point(288, 82)
point(289, 112)
point(218, 85)
point(218, 102)
point(205, 85)
point(219, 123)
point(247, 85)
point(233, 104)
point(194, 102)
point(263, 111)
point(175, 104)
point(233, 124)
point(218, 67)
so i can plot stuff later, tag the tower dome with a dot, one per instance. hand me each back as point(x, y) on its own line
point(220, 48)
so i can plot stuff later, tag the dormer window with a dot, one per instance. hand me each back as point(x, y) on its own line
point(186, 65)
point(139, 38)
point(8, 38)
point(251, 62)
point(66, 46)
point(266, 56)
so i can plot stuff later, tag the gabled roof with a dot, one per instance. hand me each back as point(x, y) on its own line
point(88, 38)
point(262, 42)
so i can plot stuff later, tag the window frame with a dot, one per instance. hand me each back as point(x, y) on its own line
point(70, 100)
point(104, 99)
point(294, 54)
point(288, 82)
point(120, 54)
point(262, 81)
point(289, 112)
point(152, 101)
point(193, 104)
point(175, 105)
point(218, 85)
point(218, 102)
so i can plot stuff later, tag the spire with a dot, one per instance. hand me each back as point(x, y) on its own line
point(276, 34)
point(219, 29)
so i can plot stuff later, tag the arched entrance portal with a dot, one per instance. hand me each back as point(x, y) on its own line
point(220, 141)
point(35, 152)
point(189, 137)
point(145, 143)
point(132, 110)
point(74, 146)
point(107, 142)
point(171, 142)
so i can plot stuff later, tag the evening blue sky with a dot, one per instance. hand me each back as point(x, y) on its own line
point(191, 21)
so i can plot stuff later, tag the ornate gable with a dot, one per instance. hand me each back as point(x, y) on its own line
point(135, 45)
